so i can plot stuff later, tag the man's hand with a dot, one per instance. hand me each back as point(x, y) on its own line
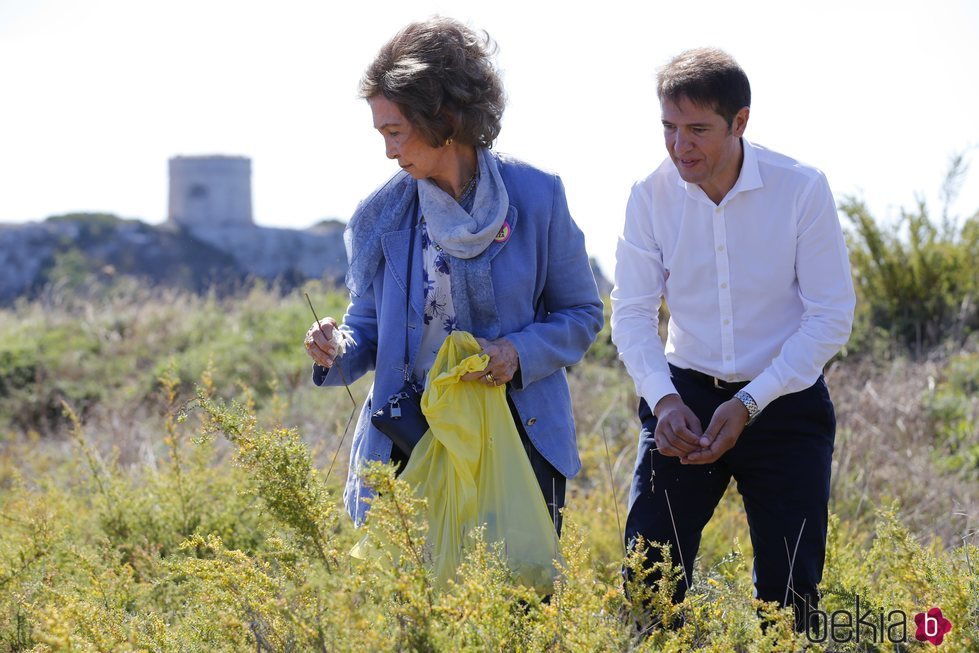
point(723, 432)
point(503, 362)
point(678, 431)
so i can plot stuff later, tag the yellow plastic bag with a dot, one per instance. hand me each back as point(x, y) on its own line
point(473, 470)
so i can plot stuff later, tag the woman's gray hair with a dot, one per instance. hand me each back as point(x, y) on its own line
point(441, 75)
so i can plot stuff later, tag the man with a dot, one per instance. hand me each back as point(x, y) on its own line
point(746, 248)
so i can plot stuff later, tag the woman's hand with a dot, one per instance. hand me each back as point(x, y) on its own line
point(319, 342)
point(503, 363)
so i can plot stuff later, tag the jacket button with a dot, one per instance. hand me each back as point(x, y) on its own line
point(531, 421)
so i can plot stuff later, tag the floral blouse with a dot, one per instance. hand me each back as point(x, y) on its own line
point(440, 317)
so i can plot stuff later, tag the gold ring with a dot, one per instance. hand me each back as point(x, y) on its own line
point(489, 377)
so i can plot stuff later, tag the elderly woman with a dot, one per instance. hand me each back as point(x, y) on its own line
point(493, 251)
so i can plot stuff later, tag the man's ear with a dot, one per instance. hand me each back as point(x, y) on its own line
point(740, 121)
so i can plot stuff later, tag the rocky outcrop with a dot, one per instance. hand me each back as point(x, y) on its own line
point(222, 257)
point(200, 258)
point(273, 253)
point(25, 250)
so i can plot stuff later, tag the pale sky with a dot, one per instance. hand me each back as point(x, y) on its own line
point(97, 95)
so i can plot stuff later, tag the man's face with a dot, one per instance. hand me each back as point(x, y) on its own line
point(703, 148)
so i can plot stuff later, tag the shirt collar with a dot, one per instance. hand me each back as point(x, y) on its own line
point(748, 179)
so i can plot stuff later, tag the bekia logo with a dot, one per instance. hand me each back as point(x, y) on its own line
point(866, 624)
point(932, 626)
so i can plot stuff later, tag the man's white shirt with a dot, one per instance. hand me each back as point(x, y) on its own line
point(758, 286)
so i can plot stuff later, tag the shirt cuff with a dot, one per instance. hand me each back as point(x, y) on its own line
point(656, 386)
point(764, 389)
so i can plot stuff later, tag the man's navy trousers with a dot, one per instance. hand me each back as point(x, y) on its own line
point(781, 464)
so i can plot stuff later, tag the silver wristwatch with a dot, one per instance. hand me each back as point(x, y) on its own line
point(749, 403)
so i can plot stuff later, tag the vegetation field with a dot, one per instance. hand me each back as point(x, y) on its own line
point(170, 481)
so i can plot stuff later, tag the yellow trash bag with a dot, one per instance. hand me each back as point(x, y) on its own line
point(473, 470)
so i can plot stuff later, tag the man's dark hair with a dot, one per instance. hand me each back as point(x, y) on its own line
point(441, 75)
point(708, 77)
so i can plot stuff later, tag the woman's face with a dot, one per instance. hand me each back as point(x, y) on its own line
point(405, 144)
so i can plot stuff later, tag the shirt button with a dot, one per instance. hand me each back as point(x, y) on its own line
point(723, 285)
point(717, 209)
point(727, 321)
point(720, 248)
point(727, 358)
point(531, 421)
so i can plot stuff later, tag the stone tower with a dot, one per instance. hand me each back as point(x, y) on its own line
point(210, 191)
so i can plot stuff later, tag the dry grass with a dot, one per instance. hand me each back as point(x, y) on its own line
point(886, 450)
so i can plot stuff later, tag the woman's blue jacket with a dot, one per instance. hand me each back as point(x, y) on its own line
point(546, 303)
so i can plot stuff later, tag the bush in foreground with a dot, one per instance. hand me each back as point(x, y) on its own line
point(250, 553)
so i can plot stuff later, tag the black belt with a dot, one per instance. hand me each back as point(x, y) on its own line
point(707, 379)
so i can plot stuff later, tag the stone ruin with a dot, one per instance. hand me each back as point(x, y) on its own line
point(210, 237)
point(211, 198)
point(210, 191)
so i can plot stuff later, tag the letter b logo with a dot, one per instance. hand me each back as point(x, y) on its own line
point(932, 626)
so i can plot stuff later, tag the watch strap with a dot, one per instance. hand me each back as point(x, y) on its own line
point(749, 403)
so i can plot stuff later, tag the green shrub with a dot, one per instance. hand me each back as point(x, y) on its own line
point(111, 349)
point(953, 407)
point(250, 553)
point(917, 281)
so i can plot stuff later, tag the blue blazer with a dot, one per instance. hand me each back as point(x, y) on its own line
point(540, 294)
